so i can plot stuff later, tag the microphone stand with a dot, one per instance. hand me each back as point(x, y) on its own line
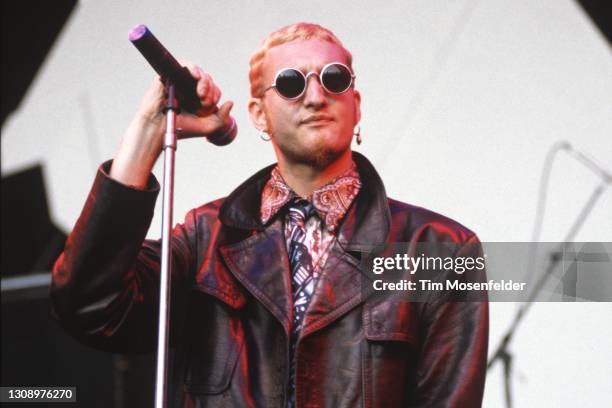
point(171, 110)
point(502, 352)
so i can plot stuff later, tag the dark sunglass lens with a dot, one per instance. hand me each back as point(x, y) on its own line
point(336, 78)
point(290, 83)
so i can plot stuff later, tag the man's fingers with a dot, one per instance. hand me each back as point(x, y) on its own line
point(207, 96)
point(206, 89)
point(193, 126)
point(224, 110)
point(202, 88)
point(208, 92)
point(194, 70)
point(156, 90)
point(216, 96)
point(153, 101)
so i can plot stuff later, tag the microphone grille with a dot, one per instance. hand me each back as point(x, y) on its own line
point(137, 32)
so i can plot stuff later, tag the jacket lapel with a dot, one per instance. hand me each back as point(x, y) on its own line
point(261, 264)
point(338, 290)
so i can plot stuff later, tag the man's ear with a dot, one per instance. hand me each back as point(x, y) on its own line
point(256, 112)
point(357, 97)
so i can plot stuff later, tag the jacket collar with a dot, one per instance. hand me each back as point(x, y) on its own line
point(367, 222)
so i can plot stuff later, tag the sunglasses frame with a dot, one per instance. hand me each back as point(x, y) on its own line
point(319, 75)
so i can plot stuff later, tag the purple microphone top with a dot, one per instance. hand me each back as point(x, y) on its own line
point(138, 32)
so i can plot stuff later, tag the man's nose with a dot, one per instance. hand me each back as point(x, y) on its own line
point(314, 94)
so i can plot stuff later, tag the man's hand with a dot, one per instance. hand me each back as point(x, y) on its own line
point(142, 141)
point(209, 121)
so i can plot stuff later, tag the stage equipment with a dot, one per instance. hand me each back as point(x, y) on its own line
point(502, 354)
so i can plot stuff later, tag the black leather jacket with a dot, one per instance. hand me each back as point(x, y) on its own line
point(231, 304)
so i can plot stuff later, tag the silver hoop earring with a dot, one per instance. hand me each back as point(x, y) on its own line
point(357, 134)
point(263, 135)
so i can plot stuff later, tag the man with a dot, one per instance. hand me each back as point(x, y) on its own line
point(268, 308)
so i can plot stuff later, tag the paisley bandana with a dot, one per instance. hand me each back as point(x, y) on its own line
point(330, 201)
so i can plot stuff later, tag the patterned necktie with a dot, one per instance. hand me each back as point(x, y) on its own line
point(302, 282)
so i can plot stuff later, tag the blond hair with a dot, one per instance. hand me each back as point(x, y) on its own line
point(298, 31)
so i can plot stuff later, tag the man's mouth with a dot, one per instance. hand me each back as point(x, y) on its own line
point(316, 119)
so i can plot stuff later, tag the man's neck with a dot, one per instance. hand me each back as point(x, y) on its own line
point(305, 179)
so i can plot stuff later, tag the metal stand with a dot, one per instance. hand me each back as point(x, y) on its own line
point(502, 352)
point(171, 110)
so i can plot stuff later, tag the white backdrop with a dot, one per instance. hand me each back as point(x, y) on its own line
point(461, 101)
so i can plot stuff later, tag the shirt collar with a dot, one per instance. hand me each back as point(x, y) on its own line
point(331, 201)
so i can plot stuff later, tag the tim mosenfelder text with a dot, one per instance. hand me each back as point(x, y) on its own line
point(458, 265)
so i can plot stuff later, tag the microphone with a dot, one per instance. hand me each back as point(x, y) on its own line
point(587, 161)
point(170, 70)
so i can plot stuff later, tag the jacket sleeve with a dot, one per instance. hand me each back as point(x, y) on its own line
point(105, 284)
point(452, 367)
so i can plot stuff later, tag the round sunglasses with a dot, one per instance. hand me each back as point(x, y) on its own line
point(290, 83)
